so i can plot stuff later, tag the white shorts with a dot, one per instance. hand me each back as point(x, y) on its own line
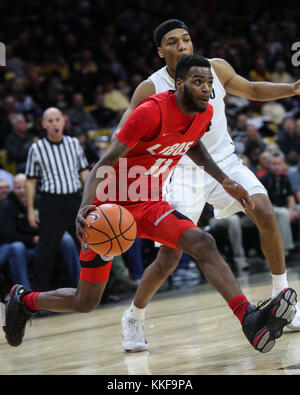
point(189, 188)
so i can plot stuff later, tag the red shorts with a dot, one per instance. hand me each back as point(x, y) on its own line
point(157, 221)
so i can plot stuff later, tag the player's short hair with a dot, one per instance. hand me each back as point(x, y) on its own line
point(165, 27)
point(186, 62)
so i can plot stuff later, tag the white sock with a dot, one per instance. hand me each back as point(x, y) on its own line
point(279, 283)
point(140, 313)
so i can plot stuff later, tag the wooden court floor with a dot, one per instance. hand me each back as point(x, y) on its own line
point(190, 332)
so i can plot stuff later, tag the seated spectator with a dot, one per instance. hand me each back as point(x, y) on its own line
point(120, 276)
point(253, 151)
point(17, 144)
point(281, 195)
point(81, 120)
point(21, 240)
point(232, 225)
point(263, 163)
point(6, 175)
point(293, 174)
point(288, 140)
point(104, 116)
point(114, 99)
point(89, 149)
point(260, 72)
point(134, 261)
point(15, 63)
point(24, 102)
point(5, 188)
point(253, 135)
point(280, 75)
point(183, 272)
point(7, 112)
point(37, 129)
point(274, 113)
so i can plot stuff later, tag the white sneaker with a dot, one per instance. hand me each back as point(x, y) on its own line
point(295, 324)
point(132, 333)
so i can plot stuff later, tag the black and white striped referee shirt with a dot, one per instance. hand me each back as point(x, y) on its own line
point(57, 165)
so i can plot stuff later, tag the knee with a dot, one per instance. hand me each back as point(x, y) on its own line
point(203, 246)
point(264, 213)
point(18, 247)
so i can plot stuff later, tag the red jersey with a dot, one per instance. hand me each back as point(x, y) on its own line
point(159, 135)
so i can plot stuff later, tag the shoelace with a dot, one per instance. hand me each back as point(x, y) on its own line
point(262, 303)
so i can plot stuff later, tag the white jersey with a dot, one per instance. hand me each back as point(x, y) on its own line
point(217, 139)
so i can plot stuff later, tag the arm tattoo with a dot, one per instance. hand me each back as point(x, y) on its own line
point(113, 155)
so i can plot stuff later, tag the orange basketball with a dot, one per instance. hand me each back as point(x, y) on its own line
point(112, 230)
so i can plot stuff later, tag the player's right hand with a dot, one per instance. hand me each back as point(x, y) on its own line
point(238, 192)
point(81, 221)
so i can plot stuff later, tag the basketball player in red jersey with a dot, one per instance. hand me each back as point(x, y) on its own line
point(173, 40)
point(164, 127)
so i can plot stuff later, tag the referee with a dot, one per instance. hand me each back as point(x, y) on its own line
point(60, 165)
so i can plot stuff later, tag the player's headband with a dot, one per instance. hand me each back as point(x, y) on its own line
point(165, 27)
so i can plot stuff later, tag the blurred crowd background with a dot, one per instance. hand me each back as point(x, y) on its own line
point(87, 57)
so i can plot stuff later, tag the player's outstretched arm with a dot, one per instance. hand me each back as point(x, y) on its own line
point(261, 91)
point(116, 151)
point(199, 154)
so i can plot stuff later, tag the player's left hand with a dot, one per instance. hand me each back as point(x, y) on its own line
point(238, 192)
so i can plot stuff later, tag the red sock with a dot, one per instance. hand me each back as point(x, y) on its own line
point(238, 305)
point(30, 300)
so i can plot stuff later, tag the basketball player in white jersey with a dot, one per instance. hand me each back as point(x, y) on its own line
point(173, 41)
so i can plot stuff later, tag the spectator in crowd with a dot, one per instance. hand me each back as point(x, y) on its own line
point(263, 163)
point(253, 135)
point(232, 225)
point(253, 151)
point(280, 75)
point(20, 240)
point(288, 140)
point(281, 195)
point(89, 149)
point(5, 188)
point(104, 116)
point(15, 63)
point(60, 165)
point(293, 174)
point(17, 144)
point(85, 77)
point(122, 281)
point(134, 261)
point(114, 98)
point(260, 72)
point(7, 113)
point(81, 119)
point(24, 102)
point(37, 129)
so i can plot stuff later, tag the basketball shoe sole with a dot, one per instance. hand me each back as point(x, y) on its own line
point(264, 324)
point(16, 315)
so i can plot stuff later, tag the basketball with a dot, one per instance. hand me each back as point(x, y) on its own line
point(112, 230)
